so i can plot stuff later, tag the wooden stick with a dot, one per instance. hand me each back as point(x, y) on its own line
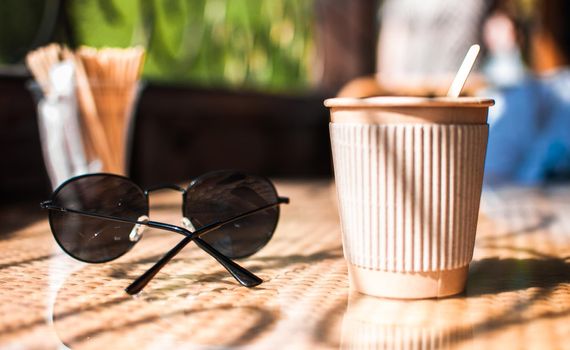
point(113, 74)
point(463, 72)
point(89, 112)
point(40, 62)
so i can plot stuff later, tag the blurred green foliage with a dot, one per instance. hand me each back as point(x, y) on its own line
point(24, 24)
point(258, 44)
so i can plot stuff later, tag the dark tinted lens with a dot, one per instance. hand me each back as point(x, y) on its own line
point(91, 239)
point(222, 195)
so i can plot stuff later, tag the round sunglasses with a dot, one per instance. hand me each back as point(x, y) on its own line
point(97, 218)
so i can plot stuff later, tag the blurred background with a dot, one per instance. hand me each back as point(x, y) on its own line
point(241, 83)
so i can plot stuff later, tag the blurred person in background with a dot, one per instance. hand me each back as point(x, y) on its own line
point(504, 39)
point(529, 140)
point(420, 47)
point(421, 44)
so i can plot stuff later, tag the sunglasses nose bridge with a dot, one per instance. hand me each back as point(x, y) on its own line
point(164, 187)
point(176, 188)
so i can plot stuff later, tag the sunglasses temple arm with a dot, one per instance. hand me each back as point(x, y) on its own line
point(242, 275)
point(49, 206)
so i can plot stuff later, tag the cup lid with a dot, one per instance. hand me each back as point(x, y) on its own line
point(408, 101)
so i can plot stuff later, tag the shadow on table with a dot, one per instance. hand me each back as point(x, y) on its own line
point(283, 261)
point(73, 337)
point(495, 275)
point(254, 264)
point(16, 217)
point(175, 288)
point(543, 223)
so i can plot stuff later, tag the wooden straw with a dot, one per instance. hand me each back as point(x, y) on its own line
point(113, 74)
point(106, 87)
point(40, 61)
point(463, 72)
point(88, 108)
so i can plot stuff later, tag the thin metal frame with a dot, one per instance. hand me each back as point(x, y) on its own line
point(241, 274)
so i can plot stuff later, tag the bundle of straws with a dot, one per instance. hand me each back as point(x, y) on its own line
point(106, 83)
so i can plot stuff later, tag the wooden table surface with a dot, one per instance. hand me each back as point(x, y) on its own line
point(518, 293)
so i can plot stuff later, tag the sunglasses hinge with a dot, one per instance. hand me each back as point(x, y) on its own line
point(49, 205)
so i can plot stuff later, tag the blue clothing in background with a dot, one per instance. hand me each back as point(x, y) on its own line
point(529, 138)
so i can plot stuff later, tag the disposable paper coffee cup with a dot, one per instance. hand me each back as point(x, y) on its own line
point(408, 174)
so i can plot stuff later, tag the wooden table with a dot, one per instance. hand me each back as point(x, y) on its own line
point(518, 294)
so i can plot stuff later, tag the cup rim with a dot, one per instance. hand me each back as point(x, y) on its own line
point(407, 101)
